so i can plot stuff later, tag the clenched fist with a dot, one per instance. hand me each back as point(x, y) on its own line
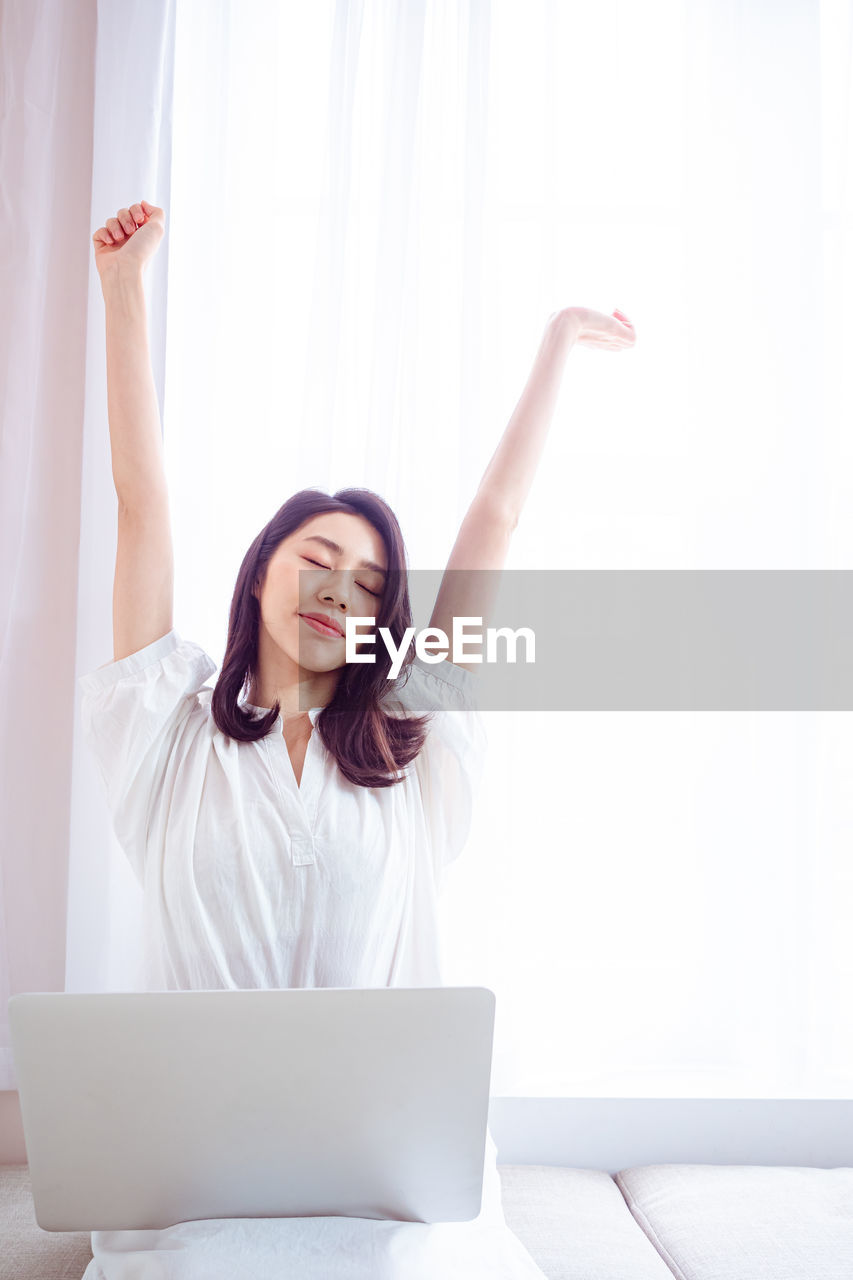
point(128, 240)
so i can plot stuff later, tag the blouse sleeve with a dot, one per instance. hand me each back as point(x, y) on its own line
point(450, 764)
point(132, 712)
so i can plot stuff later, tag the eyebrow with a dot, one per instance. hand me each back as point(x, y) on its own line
point(339, 551)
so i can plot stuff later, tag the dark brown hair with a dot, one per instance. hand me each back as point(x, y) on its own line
point(370, 746)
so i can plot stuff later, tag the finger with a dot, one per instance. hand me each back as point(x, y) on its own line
point(127, 223)
point(102, 236)
point(115, 229)
point(138, 214)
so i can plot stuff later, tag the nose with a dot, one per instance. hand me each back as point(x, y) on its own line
point(336, 592)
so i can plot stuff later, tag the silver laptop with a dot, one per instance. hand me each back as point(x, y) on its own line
point(145, 1109)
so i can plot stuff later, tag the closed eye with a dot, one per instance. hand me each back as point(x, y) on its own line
point(358, 584)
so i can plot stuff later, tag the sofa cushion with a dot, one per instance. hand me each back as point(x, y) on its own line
point(27, 1252)
point(727, 1222)
point(575, 1224)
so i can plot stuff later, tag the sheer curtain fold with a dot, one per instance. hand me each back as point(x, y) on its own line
point(47, 63)
point(132, 158)
point(85, 128)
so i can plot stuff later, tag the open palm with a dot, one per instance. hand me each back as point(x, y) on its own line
point(609, 333)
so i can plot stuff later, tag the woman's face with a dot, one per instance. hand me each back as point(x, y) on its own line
point(334, 565)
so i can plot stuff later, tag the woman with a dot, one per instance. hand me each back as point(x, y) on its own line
point(290, 827)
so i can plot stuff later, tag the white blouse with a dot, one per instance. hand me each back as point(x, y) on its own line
point(251, 881)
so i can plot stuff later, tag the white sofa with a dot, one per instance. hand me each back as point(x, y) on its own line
point(650, 1222)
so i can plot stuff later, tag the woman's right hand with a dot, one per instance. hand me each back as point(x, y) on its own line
point(127, 241)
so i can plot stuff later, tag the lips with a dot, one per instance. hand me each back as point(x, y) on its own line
point(324, 624)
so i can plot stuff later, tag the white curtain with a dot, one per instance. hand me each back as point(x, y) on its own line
point(131, 156)
point(371, 210)
point(374, 209)
point(46, 80)
point(86, 120)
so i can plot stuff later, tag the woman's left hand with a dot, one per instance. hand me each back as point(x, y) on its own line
point(595, 329)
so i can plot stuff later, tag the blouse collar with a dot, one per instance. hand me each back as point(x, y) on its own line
point(313, 712)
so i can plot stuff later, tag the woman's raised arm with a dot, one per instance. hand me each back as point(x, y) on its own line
point(485, 533)
point(144, 575)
